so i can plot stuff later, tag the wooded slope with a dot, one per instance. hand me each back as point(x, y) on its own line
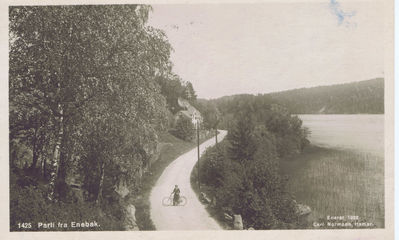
point(350, 98)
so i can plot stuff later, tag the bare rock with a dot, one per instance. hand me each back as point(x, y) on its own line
point(204, 198)
point(237, 224)
point(122, 189)
point(227, 217)
point(131, 224)
point(213, 203)
point(302, 209)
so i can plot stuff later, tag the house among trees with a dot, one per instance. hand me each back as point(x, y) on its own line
point(189, 111)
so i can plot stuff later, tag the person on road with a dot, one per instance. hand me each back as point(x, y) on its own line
point(176, 195)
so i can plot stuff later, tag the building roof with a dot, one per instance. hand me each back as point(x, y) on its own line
point(189, 109)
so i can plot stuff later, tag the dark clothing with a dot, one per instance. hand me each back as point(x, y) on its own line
point(176, 196)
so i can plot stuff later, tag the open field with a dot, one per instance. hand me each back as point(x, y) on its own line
point(338, 183)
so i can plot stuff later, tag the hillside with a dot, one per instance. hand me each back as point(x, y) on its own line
point(350, 98)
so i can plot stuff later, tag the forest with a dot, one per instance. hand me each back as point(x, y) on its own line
point(90, 91)
point(363, 97)
point(242, 172)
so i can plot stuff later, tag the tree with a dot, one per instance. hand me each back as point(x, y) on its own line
point(213, 166)
point(242, 146)
point(246, 177)
point(171, 88)
point(189, 92)
point(290, 136)
point(64, 60)
point(184, 128)
point(210, 113)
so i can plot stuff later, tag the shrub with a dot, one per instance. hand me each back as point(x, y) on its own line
point(184, 128)
point(243, 172)
point(30, 205)
point(212, 167)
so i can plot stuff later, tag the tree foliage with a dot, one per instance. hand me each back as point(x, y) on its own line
point(289, 134)
point(246, 180)
point(244, 169)
point(184, 128)
point(242, 145)
point(173, 87)
point(212, 167)
point(85, 96)
point(210, 113)
point(349, 98)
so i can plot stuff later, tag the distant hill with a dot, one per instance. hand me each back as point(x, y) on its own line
point(349, 98)
point(364, 97)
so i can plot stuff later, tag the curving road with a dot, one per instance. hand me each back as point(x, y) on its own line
point(193, 215)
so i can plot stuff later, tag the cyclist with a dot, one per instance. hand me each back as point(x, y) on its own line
point(176, 195)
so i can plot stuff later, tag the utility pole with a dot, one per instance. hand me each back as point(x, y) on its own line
point(199, 184)
point(216, 128)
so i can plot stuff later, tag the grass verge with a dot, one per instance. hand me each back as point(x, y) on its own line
point(213, 212)
point(173, 148)
point(338, 183)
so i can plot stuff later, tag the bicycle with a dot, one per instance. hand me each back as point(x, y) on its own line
point(168, 201)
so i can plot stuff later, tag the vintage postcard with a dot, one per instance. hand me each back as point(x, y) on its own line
point(232, 119)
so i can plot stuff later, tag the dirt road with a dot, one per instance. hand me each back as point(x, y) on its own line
point(193, 215)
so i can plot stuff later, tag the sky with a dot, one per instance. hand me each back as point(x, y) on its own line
point(226, 49)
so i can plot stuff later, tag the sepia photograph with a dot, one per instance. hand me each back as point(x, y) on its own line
point(148, 117)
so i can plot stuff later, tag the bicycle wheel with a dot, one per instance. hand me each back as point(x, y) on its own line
point(167, 201)
point(183, 201)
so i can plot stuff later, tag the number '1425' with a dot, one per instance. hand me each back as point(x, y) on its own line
point(24, 225)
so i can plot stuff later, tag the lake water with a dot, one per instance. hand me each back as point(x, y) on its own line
point(358, 132)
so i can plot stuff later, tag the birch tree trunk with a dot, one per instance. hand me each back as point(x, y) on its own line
point(44, 168)
point(56, 154)
point(61, 174)
point(34, 150)
point(100, 187)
